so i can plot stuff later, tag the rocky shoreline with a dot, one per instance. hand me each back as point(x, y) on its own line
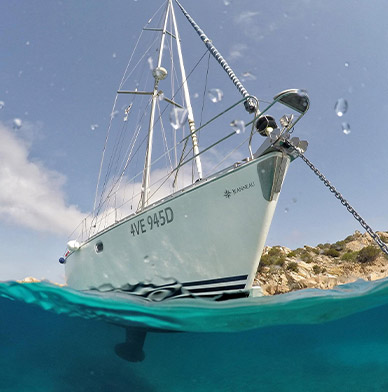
point(325, 266)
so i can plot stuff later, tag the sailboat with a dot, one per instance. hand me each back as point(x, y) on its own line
point(205, 236)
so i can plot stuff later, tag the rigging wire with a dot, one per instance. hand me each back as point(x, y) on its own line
point(168, 157)
point(114, 105)
point(205, 88)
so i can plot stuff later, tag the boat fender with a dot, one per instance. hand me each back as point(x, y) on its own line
point(62, 260)
point(73, 245)
point(265, 125)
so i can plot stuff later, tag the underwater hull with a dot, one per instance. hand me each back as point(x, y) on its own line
point(206, 240)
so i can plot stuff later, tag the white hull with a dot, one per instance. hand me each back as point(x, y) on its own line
point(209, 238)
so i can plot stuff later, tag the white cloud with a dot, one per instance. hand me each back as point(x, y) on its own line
point(30, 194)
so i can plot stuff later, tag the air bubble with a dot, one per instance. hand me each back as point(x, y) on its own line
point(341, 107)
point(215, 95)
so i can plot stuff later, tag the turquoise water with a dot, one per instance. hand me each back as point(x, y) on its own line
point(56, 339)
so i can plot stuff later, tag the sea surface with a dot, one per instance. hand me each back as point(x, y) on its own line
point(53, 338)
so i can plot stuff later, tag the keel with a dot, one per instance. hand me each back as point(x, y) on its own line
point(132, 349)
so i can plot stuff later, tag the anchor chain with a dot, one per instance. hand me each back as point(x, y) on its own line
point(343, 201)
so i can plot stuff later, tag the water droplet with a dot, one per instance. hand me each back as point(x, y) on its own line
point(114, 114)
point(93, 127)
point(150, 63)
point(248, 76)
point(27, 43)
point(294, 199)
point(17, 123)
point(286, 210)
point(161, 96)
point(114, 55)
point(146, 259)
point(2, 104)
point(238, 126)
point(345, 128)
point(341, 106)
point(178, 116)
point(346, 64)
point(126, 112)
point(215, 95)
point(227, 2)
point(196, 95)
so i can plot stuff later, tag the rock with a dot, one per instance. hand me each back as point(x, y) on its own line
point(324, 266)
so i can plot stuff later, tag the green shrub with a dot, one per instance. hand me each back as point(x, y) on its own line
point(273, 257)
point(280, 261)
point(339, 245)
point(349, 256)
point(384, 238)
point(292, 266)
point(302, 253)
point(305, 256)
point(331, 252)
point(349, 238)
point(275, 251)
point(317, 269)
point(312, 250)
point(368, 254)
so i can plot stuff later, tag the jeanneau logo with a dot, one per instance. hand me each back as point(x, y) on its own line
point(234, 191)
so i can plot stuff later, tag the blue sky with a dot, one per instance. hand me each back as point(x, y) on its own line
point(61, 63)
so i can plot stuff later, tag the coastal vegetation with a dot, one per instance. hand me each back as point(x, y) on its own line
point(323, 266)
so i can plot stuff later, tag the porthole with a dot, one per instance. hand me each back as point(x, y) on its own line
point(99, 247)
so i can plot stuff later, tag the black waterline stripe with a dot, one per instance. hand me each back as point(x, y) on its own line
point(218, 288)
point(212, 281)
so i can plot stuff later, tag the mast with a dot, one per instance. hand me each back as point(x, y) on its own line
point(187, 97)
point(159, 73)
